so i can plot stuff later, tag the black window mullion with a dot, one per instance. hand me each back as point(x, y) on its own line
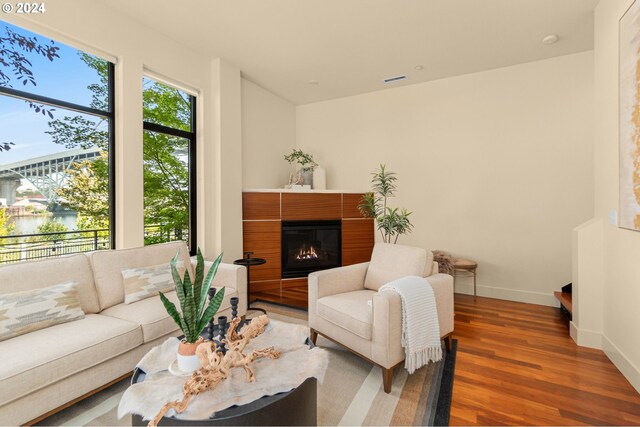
point(154, 127)
point(55, 102)
point(193, 197)
point(112, 156)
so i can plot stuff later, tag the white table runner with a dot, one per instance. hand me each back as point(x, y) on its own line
point(296, 363)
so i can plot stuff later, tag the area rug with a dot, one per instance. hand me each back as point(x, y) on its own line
point(351, 393)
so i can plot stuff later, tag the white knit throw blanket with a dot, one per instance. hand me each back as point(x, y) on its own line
point(420, 327)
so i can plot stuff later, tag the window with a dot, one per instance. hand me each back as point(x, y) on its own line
point(169, 164)
point(56, 148)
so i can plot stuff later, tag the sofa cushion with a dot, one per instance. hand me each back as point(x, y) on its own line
point(25, 276)
point(108, 266)
point(428, 265)
point(40, 358)
point(390, 262)
point(349, 310)
point(152, 316)
point(28, 311)
point(145, 282)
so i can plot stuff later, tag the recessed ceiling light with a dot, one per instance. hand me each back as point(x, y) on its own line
point(313, 82)
point(419, 67)
point(550, 39)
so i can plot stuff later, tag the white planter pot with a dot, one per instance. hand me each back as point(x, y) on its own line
point(188, 363)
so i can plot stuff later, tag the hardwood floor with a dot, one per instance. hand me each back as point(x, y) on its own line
point(517, 365)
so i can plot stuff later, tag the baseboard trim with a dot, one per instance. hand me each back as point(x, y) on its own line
point(585, 338)
point(622, 362)
point(573, 331)
point(517, 295)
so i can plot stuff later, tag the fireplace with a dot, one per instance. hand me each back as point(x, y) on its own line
point(309, 246)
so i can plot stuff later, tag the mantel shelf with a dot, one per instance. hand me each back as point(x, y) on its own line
point(284, 190)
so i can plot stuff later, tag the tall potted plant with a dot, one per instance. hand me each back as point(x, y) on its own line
point(391, 222)
point(195, 313)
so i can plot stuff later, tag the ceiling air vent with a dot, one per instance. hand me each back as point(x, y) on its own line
point(394, 79)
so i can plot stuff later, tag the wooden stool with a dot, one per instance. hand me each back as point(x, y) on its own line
point(469, 268)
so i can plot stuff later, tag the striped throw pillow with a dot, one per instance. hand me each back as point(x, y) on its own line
point(145, 282)
point(28, 311)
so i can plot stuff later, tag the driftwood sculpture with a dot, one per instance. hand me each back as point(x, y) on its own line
point(215, 366)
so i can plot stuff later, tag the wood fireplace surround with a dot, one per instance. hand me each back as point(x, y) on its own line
point(262, 215)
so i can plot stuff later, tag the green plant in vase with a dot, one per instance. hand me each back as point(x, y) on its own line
point(306, 164)
point(303, 159)
point(195, 313)
point(391, 222)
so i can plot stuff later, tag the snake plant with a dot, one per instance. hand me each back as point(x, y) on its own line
point(193, 298)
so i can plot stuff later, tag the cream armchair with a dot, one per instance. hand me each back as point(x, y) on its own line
point(339, 304)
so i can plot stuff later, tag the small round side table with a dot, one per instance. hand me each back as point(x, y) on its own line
point(466, 267)
point(248, 261)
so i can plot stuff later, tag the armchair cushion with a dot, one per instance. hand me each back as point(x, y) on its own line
point(349, 310)
point(390, 262)
point(429, 265)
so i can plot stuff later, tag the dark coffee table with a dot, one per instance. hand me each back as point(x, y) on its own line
point(297, 407)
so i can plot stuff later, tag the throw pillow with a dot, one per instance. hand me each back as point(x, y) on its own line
point(27, 311)
point(145, 282)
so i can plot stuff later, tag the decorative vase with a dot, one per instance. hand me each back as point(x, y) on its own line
point(307, 176)
point(319, 178)
point(187, 359)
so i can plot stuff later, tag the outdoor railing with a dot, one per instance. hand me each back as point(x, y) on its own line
point(26, 247)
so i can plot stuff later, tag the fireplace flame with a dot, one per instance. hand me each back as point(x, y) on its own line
point(307, 253)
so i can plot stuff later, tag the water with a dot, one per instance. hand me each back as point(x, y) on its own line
point(29, 224)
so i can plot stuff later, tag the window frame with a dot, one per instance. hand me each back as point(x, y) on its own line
point(190, 136)
point(110, 115)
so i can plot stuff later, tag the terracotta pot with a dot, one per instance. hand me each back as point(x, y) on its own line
point(187, 359)
point(189, 348)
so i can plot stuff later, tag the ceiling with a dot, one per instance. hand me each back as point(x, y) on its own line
point(350, 46)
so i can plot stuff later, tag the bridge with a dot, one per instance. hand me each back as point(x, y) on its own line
point(45, 173)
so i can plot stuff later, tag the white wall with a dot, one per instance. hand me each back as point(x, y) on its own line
point(496, 166)
point(268, 133)
point(620, 248)
point(136, 48)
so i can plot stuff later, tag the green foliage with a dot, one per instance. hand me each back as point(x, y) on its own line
point(85, 222)
point(87, 190)
point(6, 223)
point(13, 60)
point(50, 226)
point(166, 105)
point(391, 222)
point(7, 227)
point(166, 182)
point(86, 131)
point(196, 314)
point(100, 91)
point(79, 132)
point(303, 159)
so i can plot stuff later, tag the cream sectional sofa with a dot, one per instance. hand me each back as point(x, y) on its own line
point(48, 368)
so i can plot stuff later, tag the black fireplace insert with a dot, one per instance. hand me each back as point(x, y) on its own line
point(309, 246)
